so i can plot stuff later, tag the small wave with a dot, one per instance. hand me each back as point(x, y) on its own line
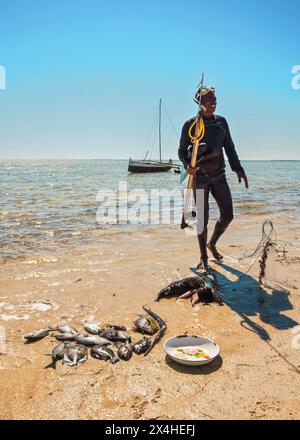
point(242, 205)
point(41, 260)
point(52, 233)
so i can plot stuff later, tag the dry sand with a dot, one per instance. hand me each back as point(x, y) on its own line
point(256, 376)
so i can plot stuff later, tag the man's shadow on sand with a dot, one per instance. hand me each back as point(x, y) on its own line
point(247, 298)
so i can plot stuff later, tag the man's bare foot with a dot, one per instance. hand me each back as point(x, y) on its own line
point(203, 264)
point(214, 251)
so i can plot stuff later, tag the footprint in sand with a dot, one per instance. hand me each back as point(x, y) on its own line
point(156, 396)
point(139, 407)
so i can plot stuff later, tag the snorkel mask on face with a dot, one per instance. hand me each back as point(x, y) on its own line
point(202, 91)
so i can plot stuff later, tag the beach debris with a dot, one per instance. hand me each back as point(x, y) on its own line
point(92, 328)
point(125, 352)
point(37, 335)
point(57, 354)
point(91, 340)
point(104, 353)
point(64, 327)
point(145, 324)
point(75, 354)
point(162, 329)
point(142, 345)
point(180, 287)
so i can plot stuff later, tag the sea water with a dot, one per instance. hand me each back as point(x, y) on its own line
point(50, 204)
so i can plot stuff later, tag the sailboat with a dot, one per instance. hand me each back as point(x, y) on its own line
point(152, 166)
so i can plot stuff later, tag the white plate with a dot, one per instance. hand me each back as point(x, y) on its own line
point(209, 347)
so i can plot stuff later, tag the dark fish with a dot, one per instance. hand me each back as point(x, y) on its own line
point(110, 334)
point(116, 327)
point(115, 335)
point(91, 340)
point(125, 352)
point(208, 295)
point(205, 295)
point(75, 354)
point(37, 335)
point(64, 327)
point(142, 345)
point(57, 354)
point(160, 322)
point(65, 337)
point(104, 353)
point(180, 287)
point(123, 336)
point(145, 325)
point(162, 329)
point(92, 328)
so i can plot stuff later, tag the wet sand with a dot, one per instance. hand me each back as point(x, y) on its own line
point(257, 375)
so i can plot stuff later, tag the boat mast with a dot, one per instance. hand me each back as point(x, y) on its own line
point(159, 127)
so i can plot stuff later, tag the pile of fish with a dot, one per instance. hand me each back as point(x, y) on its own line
point(113, 342)
point(110, 343)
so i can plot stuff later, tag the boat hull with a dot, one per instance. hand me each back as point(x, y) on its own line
point(149, 167)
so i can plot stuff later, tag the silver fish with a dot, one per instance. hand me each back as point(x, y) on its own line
point(91, 340)
point(125, 352)
point(92, 328)
point(124, 336)
point(57, 354)
point(65, 337)
point(115, 335)
point(64, 327)
point(75, 355)
point(110, 334)
point(37, 335)
point(104, 353)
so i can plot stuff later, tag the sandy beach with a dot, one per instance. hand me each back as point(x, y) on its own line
point(256, 375)
point(117, 129)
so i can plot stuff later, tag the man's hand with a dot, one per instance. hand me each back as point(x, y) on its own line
point(192, 170)
point(241, 175)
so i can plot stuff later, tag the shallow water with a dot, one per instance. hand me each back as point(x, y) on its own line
point(47, 204)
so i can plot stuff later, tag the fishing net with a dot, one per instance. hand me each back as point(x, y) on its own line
point(271, 256)
point(267, 263)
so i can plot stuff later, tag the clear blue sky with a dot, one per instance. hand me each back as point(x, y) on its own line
point(84, 76)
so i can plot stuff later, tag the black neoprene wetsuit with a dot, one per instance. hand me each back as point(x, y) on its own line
point(211, 174)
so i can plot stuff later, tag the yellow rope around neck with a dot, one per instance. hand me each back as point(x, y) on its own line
point(201, 131)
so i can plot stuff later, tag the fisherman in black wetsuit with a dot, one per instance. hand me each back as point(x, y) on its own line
point(210, 169)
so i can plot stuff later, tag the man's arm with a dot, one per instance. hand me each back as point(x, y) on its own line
point(233, 158)
point(184, 143)
point(230, 150)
